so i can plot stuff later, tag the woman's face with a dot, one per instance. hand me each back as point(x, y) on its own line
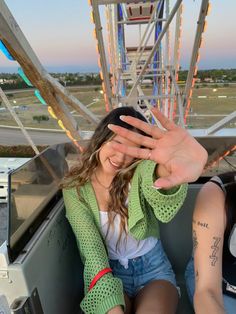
point(112, 161)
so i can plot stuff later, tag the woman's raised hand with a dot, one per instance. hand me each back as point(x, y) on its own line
point(178, 154)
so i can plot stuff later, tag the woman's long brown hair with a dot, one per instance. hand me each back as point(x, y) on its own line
point(89, 161)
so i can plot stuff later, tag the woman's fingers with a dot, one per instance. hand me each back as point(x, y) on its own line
point(135, 152)
point(134, 137)
point(165, 122)
point(168, 182)
point(147, 128)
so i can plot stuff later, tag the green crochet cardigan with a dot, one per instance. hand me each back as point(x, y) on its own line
point(146, 206)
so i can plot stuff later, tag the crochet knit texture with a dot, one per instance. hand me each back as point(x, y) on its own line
point(146, 206)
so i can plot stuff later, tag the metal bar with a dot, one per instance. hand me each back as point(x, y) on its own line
point(98, 25)
point(115, 35)
point(177, 38)
point(180, 100)
point(102, 2)
point(16, 118)
point(124, 12)
point(176, 54)
point(196, 46)
point(157, 43)
point(71, 100)
point(136, 60)
point(144, 97)
point(167, 59)
point(129, 63)
point(129, 76)
point(141, 22)
point(112, 50)
point(218, 125)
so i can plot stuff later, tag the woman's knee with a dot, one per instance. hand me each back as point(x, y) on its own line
point(159, 296)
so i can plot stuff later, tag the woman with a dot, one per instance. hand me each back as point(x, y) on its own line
point(113, 203)
point(214, 242)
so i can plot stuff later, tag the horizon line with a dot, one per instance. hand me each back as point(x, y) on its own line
point(13, 70)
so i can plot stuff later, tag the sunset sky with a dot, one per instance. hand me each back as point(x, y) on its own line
point(60, 33)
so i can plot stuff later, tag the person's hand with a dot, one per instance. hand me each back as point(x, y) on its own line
point(178, 154)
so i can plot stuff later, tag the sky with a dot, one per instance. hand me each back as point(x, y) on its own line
point(60, 33)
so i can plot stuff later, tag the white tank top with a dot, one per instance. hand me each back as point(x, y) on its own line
point(128, 247)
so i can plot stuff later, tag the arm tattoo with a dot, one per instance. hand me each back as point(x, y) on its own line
point(202, 224)
point(215, 248)
point(195, 242)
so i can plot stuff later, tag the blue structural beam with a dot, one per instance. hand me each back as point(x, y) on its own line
point(121, 46)
point(3, 48)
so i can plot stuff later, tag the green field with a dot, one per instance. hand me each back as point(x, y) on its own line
point(212, 107)
point(89, 96)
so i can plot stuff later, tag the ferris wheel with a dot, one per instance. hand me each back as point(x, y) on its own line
point(151, 65)
point(146, 74)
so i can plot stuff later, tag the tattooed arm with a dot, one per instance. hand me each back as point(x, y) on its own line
point(208, 232)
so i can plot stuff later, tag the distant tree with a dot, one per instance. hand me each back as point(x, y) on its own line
point(41, 118)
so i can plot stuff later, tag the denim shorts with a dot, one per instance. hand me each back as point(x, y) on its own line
point(141, 270)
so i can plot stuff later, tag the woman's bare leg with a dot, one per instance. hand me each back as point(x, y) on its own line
point(158, 297)
point(128, 303)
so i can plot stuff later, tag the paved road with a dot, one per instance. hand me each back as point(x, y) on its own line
point(15, 137)
point(18, 91)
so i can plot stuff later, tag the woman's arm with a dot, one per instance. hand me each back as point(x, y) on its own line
point(209, 222)
point(107, 292)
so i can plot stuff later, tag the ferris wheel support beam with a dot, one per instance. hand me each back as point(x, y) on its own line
point(149, 97)
point(19, 48)
point(178, 31)
point(141, 22)
point(101, 2)
point(101, 48)
point(111, 38)
point(156, 45)
point(179, 98)
point(116, 48)
point(140, 51)
point(18, 121)
point(124, 12)
point(167, 58)
point(195, 55)
point(219, 125)
point(71, 100)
